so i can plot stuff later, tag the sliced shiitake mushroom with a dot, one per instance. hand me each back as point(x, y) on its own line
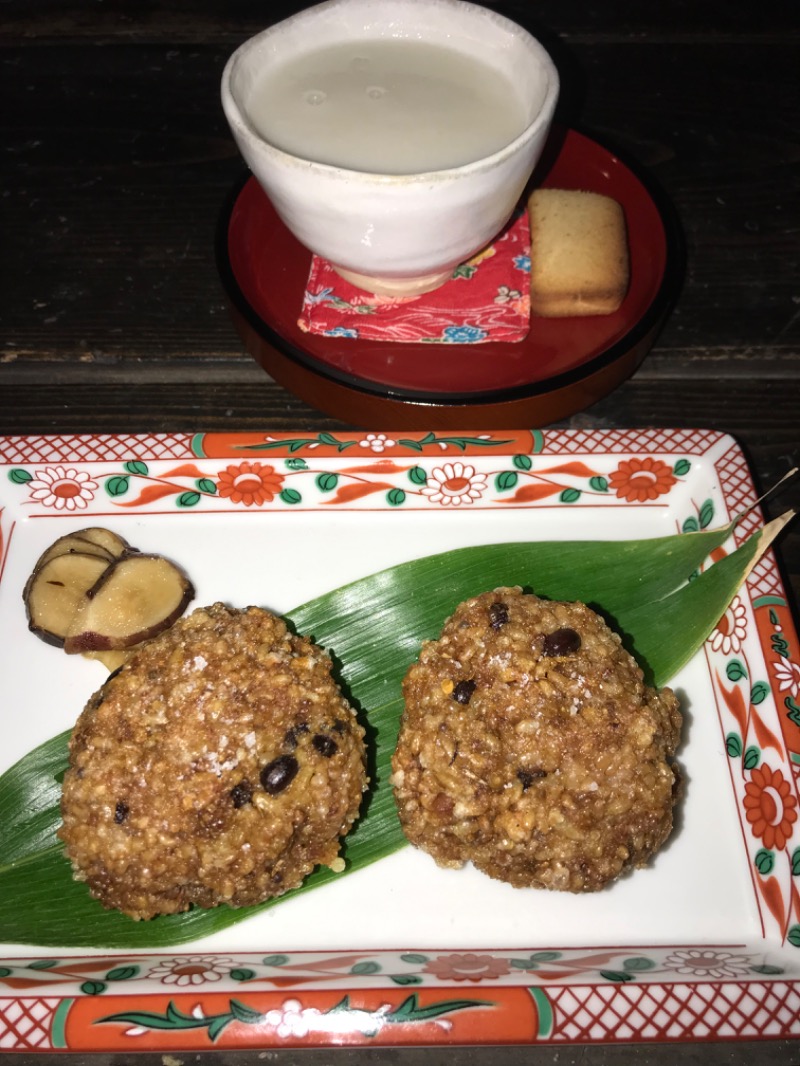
point(91, 592)
point(55, 590)
point(134, 598)
point(106, 538)
point(71, 544)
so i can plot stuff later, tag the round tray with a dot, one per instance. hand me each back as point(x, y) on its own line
point(562, 366)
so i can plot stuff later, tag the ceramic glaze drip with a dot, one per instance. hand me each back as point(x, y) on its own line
point(387, 107)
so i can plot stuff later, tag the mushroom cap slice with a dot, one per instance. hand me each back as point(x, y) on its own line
point(70, 544)
point(135, 598)
point(55, 590)
point(105, 538)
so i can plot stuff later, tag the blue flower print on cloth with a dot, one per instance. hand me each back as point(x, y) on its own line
point(463, 334)
point(341, 331)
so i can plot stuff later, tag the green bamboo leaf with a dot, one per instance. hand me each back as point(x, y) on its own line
point(699, 605)
point(375, 627)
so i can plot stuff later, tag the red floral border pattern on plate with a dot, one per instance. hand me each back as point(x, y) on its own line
point(679, 992)
point(376, 470)
point(151, 446)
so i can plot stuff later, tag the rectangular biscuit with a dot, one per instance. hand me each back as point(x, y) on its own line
point(579, 253)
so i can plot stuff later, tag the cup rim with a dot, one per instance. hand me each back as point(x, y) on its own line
point(242, 127)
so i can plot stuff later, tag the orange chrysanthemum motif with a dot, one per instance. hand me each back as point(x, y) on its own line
point(249, 483)
point(637, 480)
point(466, 967)
point(770, 806)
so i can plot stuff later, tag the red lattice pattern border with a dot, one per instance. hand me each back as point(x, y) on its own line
point(613, 441)
point(717, 1010)
point(74, 449)
point(25, 1024)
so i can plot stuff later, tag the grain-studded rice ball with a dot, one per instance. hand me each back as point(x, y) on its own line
point(530, 746)
point(221, 764)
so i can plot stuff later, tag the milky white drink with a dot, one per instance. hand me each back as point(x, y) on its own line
point(390, 106)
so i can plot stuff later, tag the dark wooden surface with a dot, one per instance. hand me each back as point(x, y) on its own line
point(117, 160)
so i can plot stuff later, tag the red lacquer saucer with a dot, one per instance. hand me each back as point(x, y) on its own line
point(561, 367)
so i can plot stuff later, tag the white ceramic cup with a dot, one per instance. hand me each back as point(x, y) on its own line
point(395, 233)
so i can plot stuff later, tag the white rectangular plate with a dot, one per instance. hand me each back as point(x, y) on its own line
point(703, 943)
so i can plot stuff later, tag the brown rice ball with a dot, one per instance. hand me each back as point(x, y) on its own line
point(530, 746)
point(221, 764)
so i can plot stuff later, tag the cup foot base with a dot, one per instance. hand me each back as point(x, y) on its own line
point(416, 286)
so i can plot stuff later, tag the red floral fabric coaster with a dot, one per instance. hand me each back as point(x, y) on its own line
point(486, 299)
